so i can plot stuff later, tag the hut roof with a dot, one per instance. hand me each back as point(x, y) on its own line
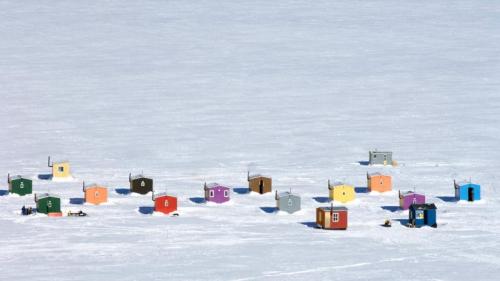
point(423, 206)
point(286, 194)
point(161, 194)
point(214, 185)
point(17, 177)
point(92, 185)
point(336, 208)
point(39, 196)
point(408, 193)
point(255, 176)
point(337, 183)
point(139, 176)
point(465, 182)
point(381, 152)
point(376, 174)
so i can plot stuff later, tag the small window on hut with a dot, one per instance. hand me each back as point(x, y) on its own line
point(60, 169)
point(96, 194)
point(290, 202)
point(21, 185)
point(165, 203)
point(212, 193)
point(335, 217)
point(49, 204)
point(226, 193)
point(143, 184)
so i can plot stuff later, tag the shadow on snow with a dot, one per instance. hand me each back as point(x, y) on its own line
point(310, 224)
point(361, 189)
point(146, 210)
point(76, 201)
point(447, 198)
point(45, 176)
point(364, 163)
point(122, 191)
point(241, 190)
point(3, 192)
point(197, 200)
point(269, 210)
point(321, 199)
point(391, 208)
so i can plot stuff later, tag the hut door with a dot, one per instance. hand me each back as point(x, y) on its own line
point(470, 194)
point(261, 187)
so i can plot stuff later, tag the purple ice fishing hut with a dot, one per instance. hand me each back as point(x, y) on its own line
point(216, 193)
point(406, 199)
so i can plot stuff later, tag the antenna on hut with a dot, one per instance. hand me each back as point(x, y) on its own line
point(328, 183)
point(129, 177)
point(48, 162)
point(205, 186)
point(153, 195)
point(248, 175)
point(8, 178)
point(276, 194)
point(83, 186)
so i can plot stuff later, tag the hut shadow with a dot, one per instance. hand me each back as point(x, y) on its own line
point(310, 224)
point(361, 189)
point(269, 210)
point(76, 201)
point(3, 192)
point(122, 191)
point(197, 200)
point(403, 222)
point(364, 163)
point(241, 190)
point(321, 199)
point(391, 208)
point(447, 198)
point(45, 176)
point(146, 210)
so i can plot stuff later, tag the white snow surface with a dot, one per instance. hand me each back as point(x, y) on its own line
point(198, 91)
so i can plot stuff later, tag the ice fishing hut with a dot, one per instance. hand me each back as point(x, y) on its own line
point(164, 203)
point(341, 192)
point(406, 199)
point(48, 204)
point(19, 185)
point(379, 182)
point(331, 217)
point(140, 184)
point(422, 214)
point(380, 158)
point(95, 194)
point(468, 191)
point(60, 169)
point(216, 193)
point(287, 202)
point(259, 183)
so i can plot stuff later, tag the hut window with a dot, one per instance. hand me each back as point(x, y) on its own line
point(21, 185)
point(165, 203)
point(414, 200)
point(61, 169)
point(212, 193)
point(49, 204)
point(226, 193)
point(143, 184)
point(96, 194)
point(290, 202)
point(335, 217)
point(374, 155)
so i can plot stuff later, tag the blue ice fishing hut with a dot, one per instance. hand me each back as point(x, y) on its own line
point(467, 191)
point(422, 214)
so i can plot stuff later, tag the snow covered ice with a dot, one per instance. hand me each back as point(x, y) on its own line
point(200, 91)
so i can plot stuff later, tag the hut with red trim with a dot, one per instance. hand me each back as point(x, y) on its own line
point(331, 217)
